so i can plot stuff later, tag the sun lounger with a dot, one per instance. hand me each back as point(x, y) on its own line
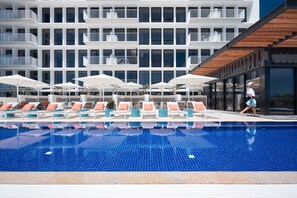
point(54, 106)
point(173, 109)
point(76, 108)
point(148, 108)
point(199, 108)
point(98, 109)
point(31, 106)
point(7, 107)
point(123, 109)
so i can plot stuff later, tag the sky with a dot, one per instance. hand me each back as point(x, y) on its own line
point(266, 6)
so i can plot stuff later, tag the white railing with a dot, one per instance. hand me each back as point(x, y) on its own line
point(18, 14)
point(208, 37)
point(112, 13)
point(18, 61)
point(17, 38)
point(111, 37)
point(201, 14)
point(110, 60)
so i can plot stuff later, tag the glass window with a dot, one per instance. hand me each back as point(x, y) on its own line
point(144, 58)
point(180, 36)
point(230, 34)
point(120, 56)
point(94, 57)
point(168, 75)
point(156, 58)
point(132, 76)
point(120, 34)
point(80, 75)
point(230, 12)
point(180, 58)
point(58, 37)
point(70, 15)
point(205, 53)
point(120, 11)
point(220, 95)
point(205, 34)
point(239, 93)
point(156, 14)
point(242, 13)
point(46, 58)
point(168, 36)
point(144, 15)
point(108, 73)
point(193, 54)
point(120, 75)
point(144, 78)
point(281, 91)
point(45, 15)
point(156, 77)
point(106, 12)
point(131, 12)
point(229, 94)
point(46, 77)
point(94, 73)
point(81, 15)
point(70, 75)
point(94, 36)
point(193, 12)
point(70, 58)
point(131, 34)
point(70, 37)
point(131, 56)
point(33, 75)
point(22, 73)
point(81, 33)
point(168, 14)
point(46, 37)
point(180, 15)
point(156, 36)
point(81, 54)
point(205, 12)
point(58, 58)
point(58, 15)
point(144, 37)
point(34, 53)
point(168, 58)
point(180, 73)
point(58, 77)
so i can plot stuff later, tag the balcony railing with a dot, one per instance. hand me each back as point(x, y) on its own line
point(202, 14)
point(110, 60)
point(17, 38)
point(195, 60)
point(18, 14)
point(18, 61)
point(116, 13)
point(211, 37)
point(110, 37)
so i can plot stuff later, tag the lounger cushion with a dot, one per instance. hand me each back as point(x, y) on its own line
point(51, 107)
point(148, 107)
point(5, 107)
point(76, 107)
point(123, 107)
point(28, 107)
point(99, 107)
point(199, 106)
point(173, 107)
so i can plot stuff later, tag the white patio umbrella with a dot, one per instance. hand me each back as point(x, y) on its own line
point(20, 81)
point(130, 86)
point(101, 80)
point(68, 86)
point(162, 86)
point(191, 80)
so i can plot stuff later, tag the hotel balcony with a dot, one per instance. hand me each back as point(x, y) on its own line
point(194, 38)
point(17, 39)
point(17, 16)
point(114, 62)
point(116, 39)
point(213, 16)
point(111, 15)
point(10, 62)
point(193, 61)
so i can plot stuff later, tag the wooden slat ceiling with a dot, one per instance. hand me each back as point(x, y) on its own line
point(280, 31)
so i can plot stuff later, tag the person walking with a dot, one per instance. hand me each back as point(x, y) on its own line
point(251, 103)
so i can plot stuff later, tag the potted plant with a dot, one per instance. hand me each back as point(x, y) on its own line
point(109, 107)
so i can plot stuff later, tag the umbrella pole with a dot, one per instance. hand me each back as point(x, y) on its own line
point(17, 93)
point(103, 94)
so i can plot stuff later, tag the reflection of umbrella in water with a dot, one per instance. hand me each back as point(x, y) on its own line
point(98, 132)
point(162, 132)
point(102, 143)
point(20, 141)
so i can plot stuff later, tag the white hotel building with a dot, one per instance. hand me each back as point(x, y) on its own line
point(142, 41)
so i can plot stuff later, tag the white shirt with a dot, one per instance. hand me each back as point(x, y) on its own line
point(250, 92)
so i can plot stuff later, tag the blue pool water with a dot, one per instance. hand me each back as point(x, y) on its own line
point(148, 146)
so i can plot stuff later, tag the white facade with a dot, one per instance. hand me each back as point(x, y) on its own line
point(143, 41)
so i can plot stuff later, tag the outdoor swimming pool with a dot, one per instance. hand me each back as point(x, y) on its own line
point(148, 146)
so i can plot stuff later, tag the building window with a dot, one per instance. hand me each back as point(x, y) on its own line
point(131, 34)
point(33, 53)
point(180, 15)
point(45, 15)
point(229, 94)
point(108, 73)
point(58, 58)
point(168, 75)
point(144, 15)
point(229, 34)
point(205, 53)
point(120, 11)
point(58, 37)
point(144, 37)
point(70, 75)
point(70, 15)
point(168, 36)
point(132, 76)
point(81, 54)
point(120, 56)
point(80, 75)
point(242, 13)
point(156, 14)
point(205, 12)
point(81, 33)
point(156, 36)
point(94, 73)
point(81, 15)
point(46, 77)
point(180, 36)
point(131, 12)
point(230, 12)
point(156, 58)
point(144, 78)
point(95, 58)
point(131, 56)
point(46, 37)
point(46, 58)
point(70, 37)
point(58, 77)
point(168, 58)
point(70, 58)
point(180, 58)
point(33, 75)
point(120, 75)
point(58, 15)
point(180, 73)
point(168, 14)
point(120, 34)
point(144, 58)
point(156, 77)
